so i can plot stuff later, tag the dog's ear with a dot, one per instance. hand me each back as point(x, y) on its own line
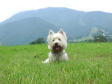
point(50, 35)
point(51, 32)
point(63, 33)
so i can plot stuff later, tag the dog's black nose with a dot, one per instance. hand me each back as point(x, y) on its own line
point(56, 44)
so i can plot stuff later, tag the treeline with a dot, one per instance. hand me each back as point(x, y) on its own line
point(99, 37)
point(38, 41)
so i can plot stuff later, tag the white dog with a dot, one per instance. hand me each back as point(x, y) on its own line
point(57, 43)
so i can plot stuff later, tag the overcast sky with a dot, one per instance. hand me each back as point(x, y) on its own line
point(11, 7)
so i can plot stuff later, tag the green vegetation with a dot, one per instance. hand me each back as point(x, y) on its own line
point(100, 38)
point(38, 41)
point(89, 63)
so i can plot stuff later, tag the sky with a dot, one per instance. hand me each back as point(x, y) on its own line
point(11, 7)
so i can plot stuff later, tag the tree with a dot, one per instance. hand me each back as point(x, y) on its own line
point(100, 38)
point(38, 41)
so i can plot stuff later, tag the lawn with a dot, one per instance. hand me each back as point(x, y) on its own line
point(89, 63)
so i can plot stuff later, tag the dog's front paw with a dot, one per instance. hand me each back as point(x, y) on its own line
point(45, 61)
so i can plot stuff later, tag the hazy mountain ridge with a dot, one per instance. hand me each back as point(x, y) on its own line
point(24, 31)
point(75, 23)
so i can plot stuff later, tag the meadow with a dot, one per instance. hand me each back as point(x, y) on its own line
point(89, 63)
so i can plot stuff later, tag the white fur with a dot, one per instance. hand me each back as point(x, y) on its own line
point(52, 39)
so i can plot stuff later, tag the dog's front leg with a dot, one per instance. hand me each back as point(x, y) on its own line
point(46, 61)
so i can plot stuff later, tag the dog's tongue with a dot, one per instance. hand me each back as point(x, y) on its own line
point(57, 48)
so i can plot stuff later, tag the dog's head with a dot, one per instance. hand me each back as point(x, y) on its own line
point(57, 41)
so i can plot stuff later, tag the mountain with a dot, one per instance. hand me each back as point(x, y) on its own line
point(75, 23)
point(65, 18)
point(24, 31)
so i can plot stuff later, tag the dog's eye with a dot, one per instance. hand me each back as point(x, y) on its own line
point(59, 39)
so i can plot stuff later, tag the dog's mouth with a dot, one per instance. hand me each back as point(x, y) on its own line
point(57, 48)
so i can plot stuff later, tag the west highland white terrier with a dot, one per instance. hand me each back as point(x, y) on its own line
point(57, 43)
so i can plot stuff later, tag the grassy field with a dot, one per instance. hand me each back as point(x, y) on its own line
point(89, 63)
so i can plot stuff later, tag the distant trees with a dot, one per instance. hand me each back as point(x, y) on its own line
point(38, 41)
point(100, 38)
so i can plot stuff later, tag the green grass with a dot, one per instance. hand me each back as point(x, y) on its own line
point(89, 63)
